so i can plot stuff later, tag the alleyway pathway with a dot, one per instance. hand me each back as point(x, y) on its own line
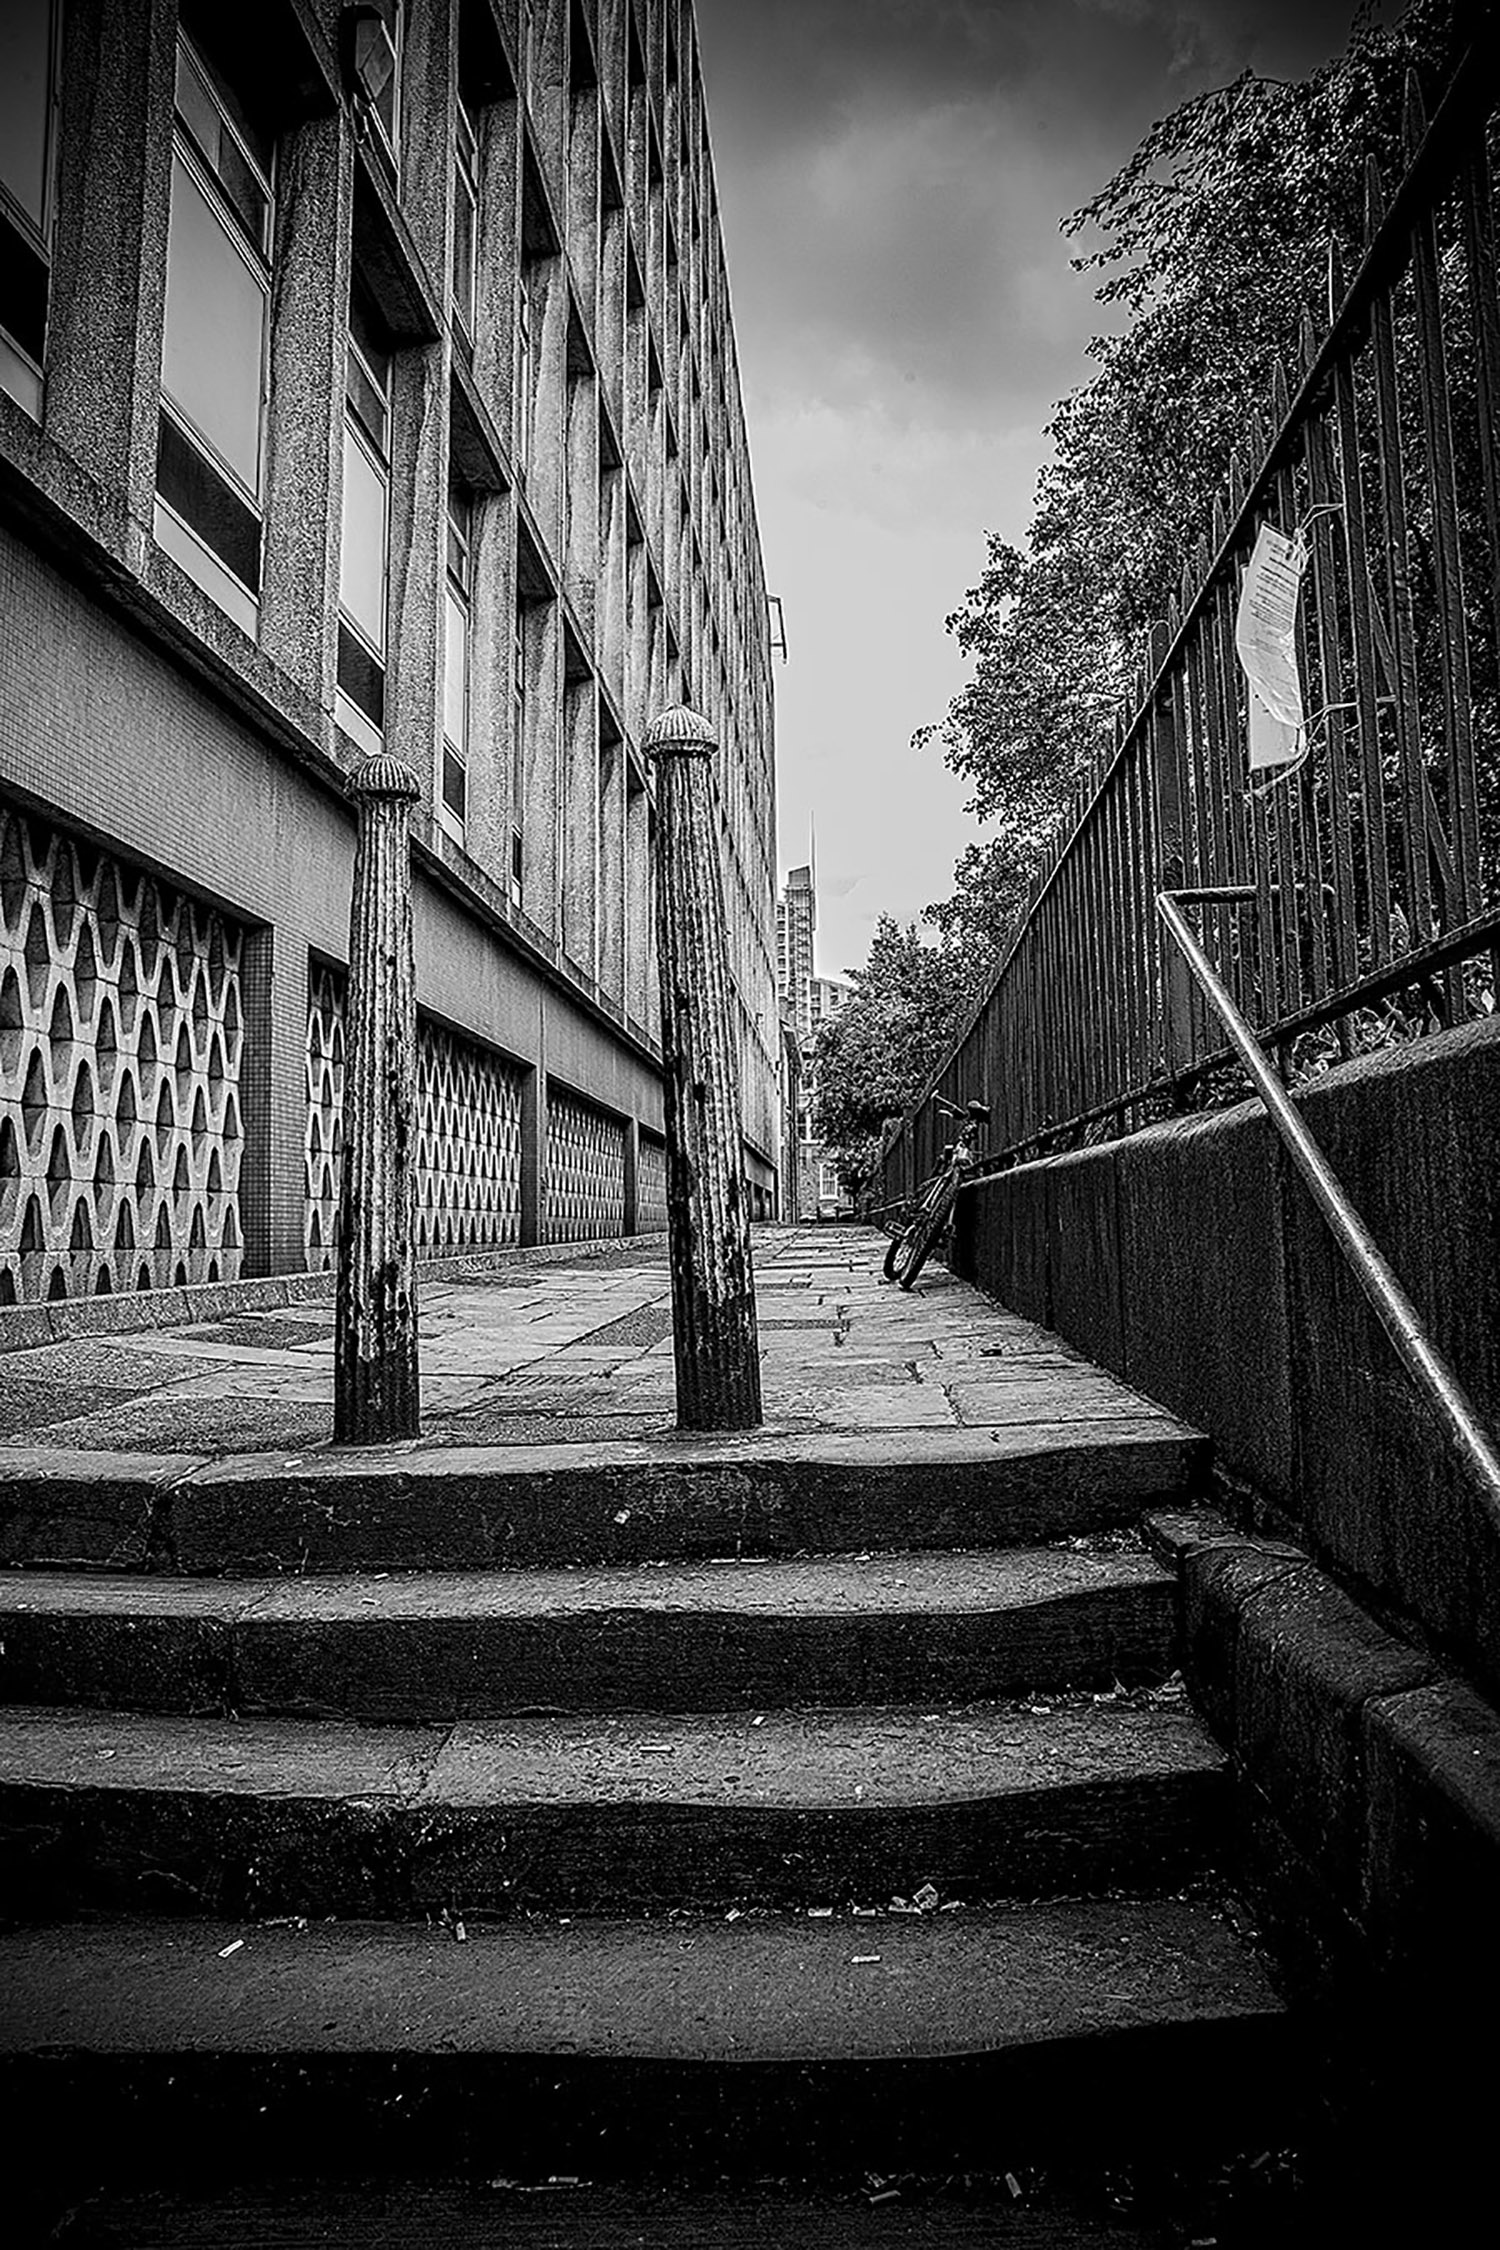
point(577, 1352)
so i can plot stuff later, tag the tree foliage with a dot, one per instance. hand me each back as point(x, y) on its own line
point(1212, 242)
point(875, 1056)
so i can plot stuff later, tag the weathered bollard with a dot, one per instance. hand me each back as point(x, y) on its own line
point(375, 1379)
point(714, 1339)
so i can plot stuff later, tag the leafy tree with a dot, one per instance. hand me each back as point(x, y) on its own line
point(874, 1057)
point(1215, 239)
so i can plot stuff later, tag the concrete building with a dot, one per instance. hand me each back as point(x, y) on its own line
point(367, 380)
point(807, 1003)
point(796, 932)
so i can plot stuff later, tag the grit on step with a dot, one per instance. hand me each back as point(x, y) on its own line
point(627, 1810)
point(879, 1628)
point(619, 2049)
point(568, 2215)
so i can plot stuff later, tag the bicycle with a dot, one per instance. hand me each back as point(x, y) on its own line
point(915, 1243)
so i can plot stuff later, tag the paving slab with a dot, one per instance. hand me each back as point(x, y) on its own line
point(816, 1308)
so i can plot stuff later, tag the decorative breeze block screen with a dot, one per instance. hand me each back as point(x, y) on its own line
point(468, 1186)
point(468, 1145)
point(121, 1036)
point(585, 1170)
point(651, 1186)
point(324, 1141)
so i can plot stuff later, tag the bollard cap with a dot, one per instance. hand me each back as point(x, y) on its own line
point(679, 733)
point(384, 776)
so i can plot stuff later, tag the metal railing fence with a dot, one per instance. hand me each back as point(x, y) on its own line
point(1376, 865)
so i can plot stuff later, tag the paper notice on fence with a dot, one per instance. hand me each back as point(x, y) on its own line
point(1265, 640)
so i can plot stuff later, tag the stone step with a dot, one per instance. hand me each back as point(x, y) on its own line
point(109, 1810)
point(574, 2215)
point(451, 1507)
point(610, 2050)
point(880, 1628)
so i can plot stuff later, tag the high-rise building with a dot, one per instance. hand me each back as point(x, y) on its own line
point(367, 382)
point(808, 1002)
point(796, 929)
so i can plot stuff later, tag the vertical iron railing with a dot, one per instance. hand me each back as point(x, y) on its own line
point(1376, 864)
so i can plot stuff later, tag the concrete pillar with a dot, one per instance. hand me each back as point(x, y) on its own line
point(715, 1343)
point(109, 266)
point(632, 1224)
point(534, 1139)
point(375, 1375)
point(305, 436)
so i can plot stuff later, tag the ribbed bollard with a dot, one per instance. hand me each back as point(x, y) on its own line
point(375, 1379)
point(714, 1339)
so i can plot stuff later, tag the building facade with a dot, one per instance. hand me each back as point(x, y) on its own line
point(796, 932)
point(808, 1001)
point(367, 381)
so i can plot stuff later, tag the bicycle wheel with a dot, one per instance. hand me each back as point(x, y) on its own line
point(898, 1251)
point(920, 1240)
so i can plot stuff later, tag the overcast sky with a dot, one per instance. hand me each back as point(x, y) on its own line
point(891, 176)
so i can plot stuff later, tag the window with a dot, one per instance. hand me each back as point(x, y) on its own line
point(365, 549)
point(517, 746)
point(453, 803)
point(465, 227)
point(211, 433)
point(376, 71)
point(28, 92)
point(526, 340)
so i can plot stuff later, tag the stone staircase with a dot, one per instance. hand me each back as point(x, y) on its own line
point(812, 1812)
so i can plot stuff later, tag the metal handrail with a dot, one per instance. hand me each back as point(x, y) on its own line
point(1397, 1314)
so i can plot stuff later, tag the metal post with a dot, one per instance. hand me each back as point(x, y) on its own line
point(715, 1343)
point(375, 1376)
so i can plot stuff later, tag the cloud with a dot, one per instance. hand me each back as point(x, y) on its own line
point(901, 167)
point(892, 174)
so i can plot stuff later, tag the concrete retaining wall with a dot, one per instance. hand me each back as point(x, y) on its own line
point(1190, 1260)
point(1367, 1807)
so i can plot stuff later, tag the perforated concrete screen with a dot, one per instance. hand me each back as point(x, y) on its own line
point(468, 1186)
point(585, 1170)
point(121, 1036)
point(651, 1186)
point(468, 1144)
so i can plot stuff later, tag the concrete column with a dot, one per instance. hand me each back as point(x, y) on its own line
point(109, 267)
point(304, 464)
point(632, 1223)
point(715, 1343)
point(611, 925)
point(534, 1149)
point(375, 1375)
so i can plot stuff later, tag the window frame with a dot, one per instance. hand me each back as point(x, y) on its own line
point(22, 371)
point(466, 187)
point(524, 417)
point(517, 746)
point(458, 599)
point(190, 544)
point(358, 720)
point(390, 18)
